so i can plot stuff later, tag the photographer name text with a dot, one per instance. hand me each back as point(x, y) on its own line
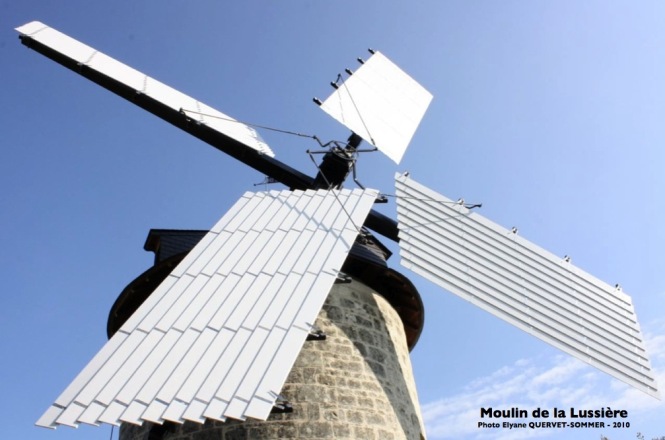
point(580, 418)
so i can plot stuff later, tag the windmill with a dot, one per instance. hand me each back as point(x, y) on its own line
point(440, 239)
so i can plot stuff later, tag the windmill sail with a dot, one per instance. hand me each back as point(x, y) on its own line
point(381, 104)
point(515, 280)
point(173, 105)
point(236, 139)
point(219, 336)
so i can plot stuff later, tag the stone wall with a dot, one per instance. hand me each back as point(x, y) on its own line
point(356, 384)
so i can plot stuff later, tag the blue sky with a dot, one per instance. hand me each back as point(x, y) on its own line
point(549, 113)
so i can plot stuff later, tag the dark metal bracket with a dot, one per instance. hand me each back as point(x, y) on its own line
point(343, 278)
point(316, 335)
point(282, 406)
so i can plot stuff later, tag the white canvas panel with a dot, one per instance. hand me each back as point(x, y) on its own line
point(521, 283)
point(381, 104)
point(217, 340)
point(143, 84)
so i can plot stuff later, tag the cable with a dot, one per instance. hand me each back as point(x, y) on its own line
point(371, 138)
point(250, 124)
point(360, 232)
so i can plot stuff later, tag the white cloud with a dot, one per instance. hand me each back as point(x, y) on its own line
point(559, 381)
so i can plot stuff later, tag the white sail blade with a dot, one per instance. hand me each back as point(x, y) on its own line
point(517, 281)
point(219, 336)
point(140, 83)
point(381, 104)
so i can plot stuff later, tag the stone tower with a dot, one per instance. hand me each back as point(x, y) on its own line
point(357, 383)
